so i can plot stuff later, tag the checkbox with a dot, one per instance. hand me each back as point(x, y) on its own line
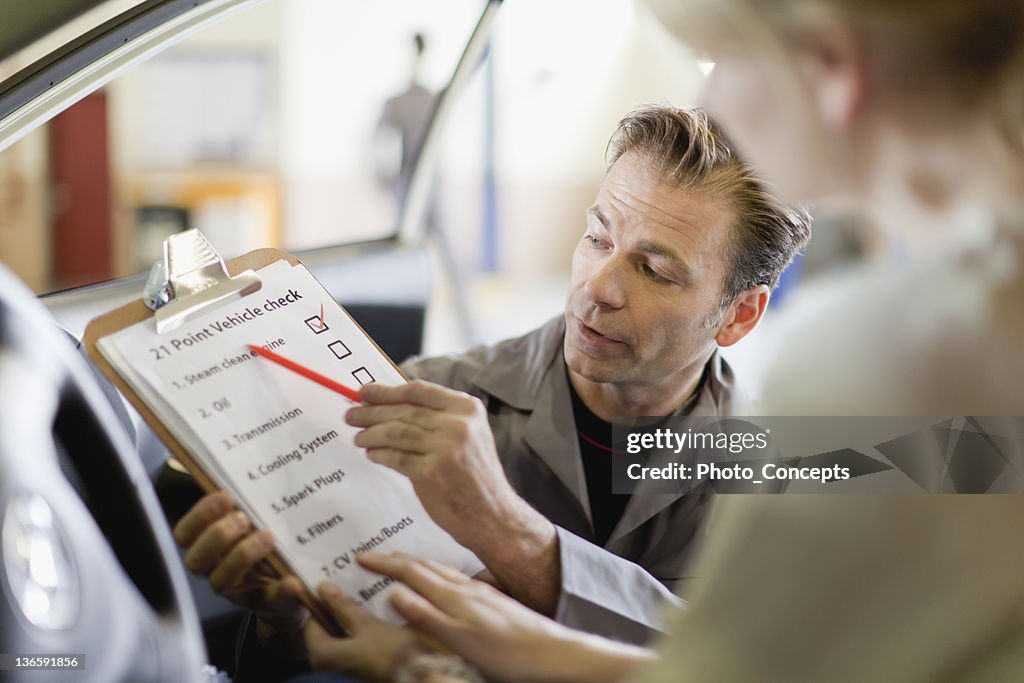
point(362, 375)
point(316, 325)
point(339, 349)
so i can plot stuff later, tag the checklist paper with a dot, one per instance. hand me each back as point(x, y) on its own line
point(277, 442)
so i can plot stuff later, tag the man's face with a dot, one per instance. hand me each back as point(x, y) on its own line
point(646, 275)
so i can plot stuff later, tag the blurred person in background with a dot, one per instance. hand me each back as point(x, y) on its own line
point(401, 128)
point(395, 148)
point(913, 110)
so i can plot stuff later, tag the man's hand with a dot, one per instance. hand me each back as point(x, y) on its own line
point(498, 635)
point(442, 441)
point(221, 544)
point(373, 650)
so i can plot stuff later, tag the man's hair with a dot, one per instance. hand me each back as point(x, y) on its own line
point(688, 151)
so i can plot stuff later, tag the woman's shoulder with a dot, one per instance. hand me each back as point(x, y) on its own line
point(940, 337)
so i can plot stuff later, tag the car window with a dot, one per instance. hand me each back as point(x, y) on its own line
point(264, 129)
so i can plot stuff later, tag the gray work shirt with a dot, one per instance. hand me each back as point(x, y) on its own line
point(618, 591)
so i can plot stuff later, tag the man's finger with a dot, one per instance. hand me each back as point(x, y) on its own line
point(289, 587)
point(215, 542)
point(420, 393)
point(342, 607)
point(240, 560)
point(204, 513)
point(398, 435)
point(403, 462)
point(367, 416)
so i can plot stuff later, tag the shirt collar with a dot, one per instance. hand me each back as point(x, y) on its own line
point(516, 374)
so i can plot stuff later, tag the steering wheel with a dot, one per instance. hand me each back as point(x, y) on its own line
point(88, 569)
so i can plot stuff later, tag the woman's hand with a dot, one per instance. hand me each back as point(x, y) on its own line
point(498, 635)
point(373, 650)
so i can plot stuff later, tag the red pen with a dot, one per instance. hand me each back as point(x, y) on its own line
point(322, 380)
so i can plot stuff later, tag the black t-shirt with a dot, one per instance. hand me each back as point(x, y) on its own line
point(595, 438)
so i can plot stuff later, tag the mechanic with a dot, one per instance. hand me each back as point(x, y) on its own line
point(512, 455)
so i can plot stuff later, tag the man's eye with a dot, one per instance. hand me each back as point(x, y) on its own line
point(594, 241)
point(653, 274)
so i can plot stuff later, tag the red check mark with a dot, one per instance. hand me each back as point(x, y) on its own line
point(317, 324)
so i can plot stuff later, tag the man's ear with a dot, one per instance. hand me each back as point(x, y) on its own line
point(832, 64)
point(743, 315)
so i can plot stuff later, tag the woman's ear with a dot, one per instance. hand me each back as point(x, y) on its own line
point(831, 61)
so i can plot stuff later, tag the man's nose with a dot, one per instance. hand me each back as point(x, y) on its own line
point(605, 285)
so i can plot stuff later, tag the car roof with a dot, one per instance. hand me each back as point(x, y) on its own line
point(26, 21)
point(93, 41)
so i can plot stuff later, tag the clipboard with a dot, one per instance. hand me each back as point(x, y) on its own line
point(197, 281)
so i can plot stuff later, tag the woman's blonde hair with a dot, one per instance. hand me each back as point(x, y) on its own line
point(973, 50)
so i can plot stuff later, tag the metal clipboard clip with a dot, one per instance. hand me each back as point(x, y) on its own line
point(191, 280)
